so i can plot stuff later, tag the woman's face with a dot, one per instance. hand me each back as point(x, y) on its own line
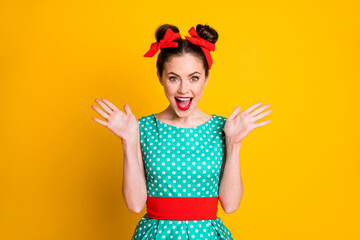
point(184, 79)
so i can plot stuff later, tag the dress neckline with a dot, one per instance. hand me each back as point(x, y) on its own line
point(201, 125)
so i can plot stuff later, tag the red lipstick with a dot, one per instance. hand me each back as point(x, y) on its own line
point(183, 105)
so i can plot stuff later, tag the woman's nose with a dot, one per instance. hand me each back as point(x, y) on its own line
point(183, 87)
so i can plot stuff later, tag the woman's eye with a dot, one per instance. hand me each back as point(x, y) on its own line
point(173, 79)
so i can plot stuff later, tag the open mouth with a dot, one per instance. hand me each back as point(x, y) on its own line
point(183, 103)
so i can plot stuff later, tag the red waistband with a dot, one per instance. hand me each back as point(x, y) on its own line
point(182, 208)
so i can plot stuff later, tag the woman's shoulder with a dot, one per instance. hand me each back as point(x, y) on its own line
point(146, 119)
point(219, 119)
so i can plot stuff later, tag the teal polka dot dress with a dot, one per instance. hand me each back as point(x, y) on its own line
point(182, 162)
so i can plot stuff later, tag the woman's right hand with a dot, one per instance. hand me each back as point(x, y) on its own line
point(123, 125)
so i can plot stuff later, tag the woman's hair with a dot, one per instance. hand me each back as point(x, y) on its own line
point(184, 46)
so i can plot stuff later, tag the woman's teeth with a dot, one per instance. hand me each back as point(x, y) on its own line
point(183, 99)
point(183, 103)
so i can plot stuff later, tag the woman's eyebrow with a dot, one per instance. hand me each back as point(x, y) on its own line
point(179, 76)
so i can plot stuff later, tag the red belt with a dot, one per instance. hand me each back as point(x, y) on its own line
point(182, 208)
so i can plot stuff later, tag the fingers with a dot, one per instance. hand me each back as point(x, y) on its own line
point(262, 115)
point(112, 106)
point(99, 121)
point(259, 110)
point(127, 109)
point(235, 112)
point(106, 108)
point(250, 109)
point(256, 125)
point(99, 111)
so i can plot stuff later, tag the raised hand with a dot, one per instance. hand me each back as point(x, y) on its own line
point(237, 126)
point(123, 125)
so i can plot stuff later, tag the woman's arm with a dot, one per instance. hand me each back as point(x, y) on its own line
point(231, 186)
point(126, 127)
point(237, 126)
point(134, 182)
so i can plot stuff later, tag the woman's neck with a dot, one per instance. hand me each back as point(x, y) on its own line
point(171, 117)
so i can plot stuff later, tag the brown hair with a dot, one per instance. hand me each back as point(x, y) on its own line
point(184, 46)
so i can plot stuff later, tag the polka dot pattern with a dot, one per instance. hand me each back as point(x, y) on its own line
point(182, 162)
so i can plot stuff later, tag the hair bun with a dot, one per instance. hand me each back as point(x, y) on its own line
point(207, 33)
point(161, 30)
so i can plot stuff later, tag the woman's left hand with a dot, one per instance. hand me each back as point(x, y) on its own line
point(237, 126)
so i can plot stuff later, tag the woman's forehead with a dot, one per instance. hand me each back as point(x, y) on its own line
point(184, 65)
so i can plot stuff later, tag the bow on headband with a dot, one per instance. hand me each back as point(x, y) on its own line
point(170, 36)
point(206, 46)
point(166, 42)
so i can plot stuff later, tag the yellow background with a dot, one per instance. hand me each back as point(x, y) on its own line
point(61, 173)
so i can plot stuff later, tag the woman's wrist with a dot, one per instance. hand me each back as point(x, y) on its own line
point(128, 141)
point(231, 143)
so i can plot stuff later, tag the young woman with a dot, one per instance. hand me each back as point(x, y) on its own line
point(182, 161)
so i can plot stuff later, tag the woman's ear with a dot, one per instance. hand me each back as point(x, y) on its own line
point(206, 80)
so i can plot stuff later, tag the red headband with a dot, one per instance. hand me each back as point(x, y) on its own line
point(166, 42)
point(206, 46)
point(170, 36)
